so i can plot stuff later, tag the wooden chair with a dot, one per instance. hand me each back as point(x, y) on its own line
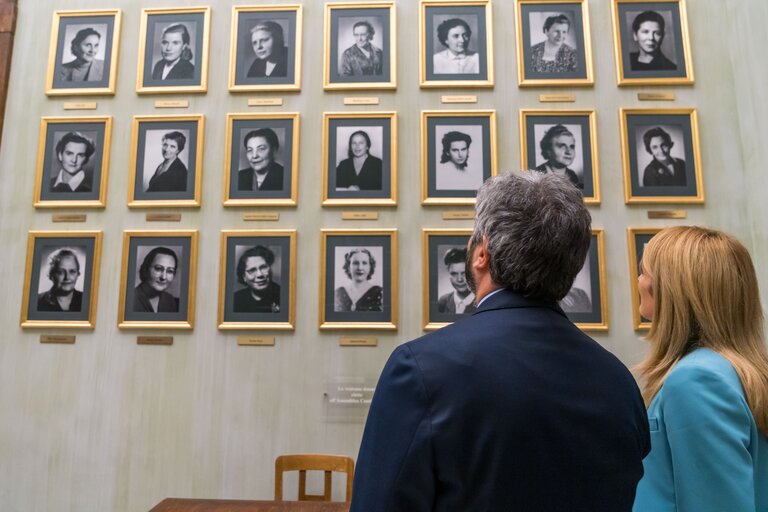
point(313, 462)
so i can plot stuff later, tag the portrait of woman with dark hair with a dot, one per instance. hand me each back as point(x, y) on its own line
point(664, 169)
point(254, 270)
point(73, 151)
point(157, 272)
point(558, 147)
point(85, 67)
point(554, 55)
point(360, 294)
point(264, 173)
point(360, 170)
point(648, 29)
point(171, 174)
point(176, 62)
point(271, 54)
point(455, 35)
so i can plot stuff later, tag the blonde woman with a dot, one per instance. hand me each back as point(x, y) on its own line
point(706, 377)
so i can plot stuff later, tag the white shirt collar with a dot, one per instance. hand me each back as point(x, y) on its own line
point(462, 303)
point(74, 181)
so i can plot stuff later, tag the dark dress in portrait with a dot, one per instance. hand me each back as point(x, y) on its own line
point(172, 180)
point(658, 63)
point(85, 186)
point(369, 301)
point(259, 67)
point(568, 172)
point(272, 181)
point(658, 175)
point(577, 301)
point(355, 63)
point(47, 302)
point(368, 179)
point(446, 304)
point(183, 70)
point(268, 301)
point(167, 303)
point(80, 70)
point(565, 60)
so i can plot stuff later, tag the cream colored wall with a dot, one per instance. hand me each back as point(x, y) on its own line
point(106, 424)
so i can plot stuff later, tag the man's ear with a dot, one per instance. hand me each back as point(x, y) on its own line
point(480, 257)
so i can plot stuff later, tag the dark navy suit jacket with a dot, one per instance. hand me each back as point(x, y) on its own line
point(510, 409)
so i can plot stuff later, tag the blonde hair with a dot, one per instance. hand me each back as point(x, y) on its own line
point(706, 295)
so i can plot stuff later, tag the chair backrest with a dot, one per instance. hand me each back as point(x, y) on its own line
point(313, 462)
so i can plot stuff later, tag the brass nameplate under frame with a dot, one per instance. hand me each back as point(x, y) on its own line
point(261, 216)
point(265, 102)
point(358, 341)
point(464, 98)
point(172, 104)
point(557, 98)
point(80, 105)
point(154, 340)
point(459, 215)
point(361, 100)
point(56, 338)
point(359, 215)
point(163, 217)
point(656, 96)
point(68, 217)
point(256, 341)
point(667, 214)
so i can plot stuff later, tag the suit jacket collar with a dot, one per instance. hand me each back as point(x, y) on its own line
point(507, 298)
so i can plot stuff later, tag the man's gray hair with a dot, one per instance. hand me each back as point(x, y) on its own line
point(538, 232)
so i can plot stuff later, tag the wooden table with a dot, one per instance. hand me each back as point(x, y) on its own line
point(197, 505)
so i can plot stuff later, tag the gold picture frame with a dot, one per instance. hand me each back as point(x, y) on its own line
point(337, 309)
point(295, 17)
point(94, 132)
point(145, 83)
point(45, 316)
point(55, 85)
point(590, 181)
point(429, 248)
point(596, 261)
point(332, 78)
point(227, 315)
point(485, 10)
point(137, 143)
point(638, 323)
point(625, 75)
point(528, 77)
point(336, 125)
point(658, 184)
point(236, 195)
point(184, 317)
point(438, 191)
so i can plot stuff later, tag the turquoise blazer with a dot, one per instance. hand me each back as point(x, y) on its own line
point(707, 454)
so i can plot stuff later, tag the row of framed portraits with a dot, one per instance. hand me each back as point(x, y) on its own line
point(661, 157)
point(360, 42)
point(258, 274)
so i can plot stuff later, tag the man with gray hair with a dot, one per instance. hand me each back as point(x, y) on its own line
point(512, 408)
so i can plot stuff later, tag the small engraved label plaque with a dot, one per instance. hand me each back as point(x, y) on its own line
point(49, 338)
point(361, 100)
point(163, 217)
point(261, 216)
point(557, 98)
point(69, 217)
point(656, 96)
point(466, 98)
point(80, 105)
point(358, 341)
point(172, 104)
point(261, 341)
point(454, 215)
point(154, 340)
point(359, 215)
point(667, 214)
point(265, 102)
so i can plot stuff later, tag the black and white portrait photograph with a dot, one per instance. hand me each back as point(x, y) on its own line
point(258, 280)
point(85, 53)
point(360, 164)
point(638, 239)
point(360, 42)
point(446, 289)
point(157, 287)
point(359, 279)
point(661, 156)
point(585, 304)
point(651, 41)
point(562, 142)
point(174, 50)
point(266, 48)
point(262, 159)
point(72, 162)
point(553, 43)
point(457, 44)
point(61, 279)
point(167, 163)
point(458, 154)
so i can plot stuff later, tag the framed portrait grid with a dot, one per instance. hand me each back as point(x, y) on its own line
point(637, 239)
point(446, 296)
point(562, 142)
point(586, 303)
point(157, 284)
point(73, 162)
point(265, 52)
point(358, 284)
point(61, 279)
point(456, 44)
point(651, 42)
point(83, 53)
point(257, 280)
